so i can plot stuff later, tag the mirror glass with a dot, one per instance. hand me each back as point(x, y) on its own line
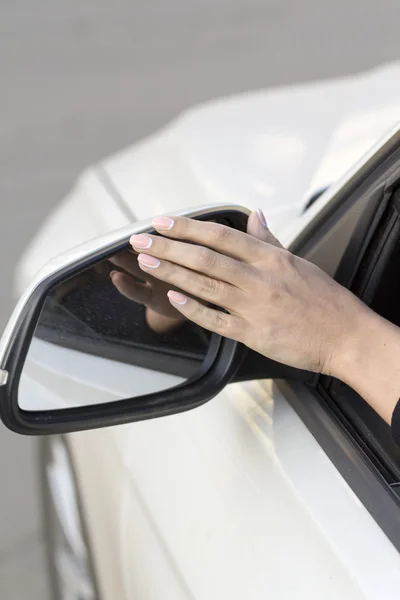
point(107, 334)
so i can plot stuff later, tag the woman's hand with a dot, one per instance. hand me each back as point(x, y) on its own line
point(278, 304)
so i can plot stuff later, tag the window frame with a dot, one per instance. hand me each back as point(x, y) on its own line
point(339, 212)
point(354, 464)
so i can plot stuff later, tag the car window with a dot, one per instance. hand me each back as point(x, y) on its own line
point(358, 242)
point(376, 281)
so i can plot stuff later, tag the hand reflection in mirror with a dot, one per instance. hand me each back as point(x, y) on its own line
point(144, 289)
point(133, 284)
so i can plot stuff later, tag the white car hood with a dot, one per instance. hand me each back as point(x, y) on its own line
point(273, 148)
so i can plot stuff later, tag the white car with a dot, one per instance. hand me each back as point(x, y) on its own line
point(284, 484)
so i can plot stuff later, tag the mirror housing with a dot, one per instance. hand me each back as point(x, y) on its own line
point(222, 361)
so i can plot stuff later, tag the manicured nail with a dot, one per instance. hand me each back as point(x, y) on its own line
point(177, 297)
point(262, 218)
point(148, 261)
point(163, 223)
point(141, 241)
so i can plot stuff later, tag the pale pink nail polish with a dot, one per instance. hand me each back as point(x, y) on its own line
point(177, 297)
point(262, 218)
point(163, 223)
point(141, 241)
point(148, 261)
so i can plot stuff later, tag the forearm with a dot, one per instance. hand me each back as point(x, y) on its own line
point(370, 362)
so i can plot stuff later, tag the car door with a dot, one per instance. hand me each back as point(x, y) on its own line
point(271, 487)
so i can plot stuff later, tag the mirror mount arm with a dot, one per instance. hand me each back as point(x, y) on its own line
point(257, 366)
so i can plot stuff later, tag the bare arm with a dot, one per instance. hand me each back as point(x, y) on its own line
point(369, 362)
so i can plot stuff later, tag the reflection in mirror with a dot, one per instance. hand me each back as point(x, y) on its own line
point(107, 334)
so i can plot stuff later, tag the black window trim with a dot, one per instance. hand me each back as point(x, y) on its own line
point(317, 413)
point(338, 199)
point(311, 401)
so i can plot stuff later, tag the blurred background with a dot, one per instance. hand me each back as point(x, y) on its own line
point(80, 80)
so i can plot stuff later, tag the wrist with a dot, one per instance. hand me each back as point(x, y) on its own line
point(369, 361)
point(354, 344)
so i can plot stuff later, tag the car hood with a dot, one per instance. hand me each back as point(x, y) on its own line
point(272, 148)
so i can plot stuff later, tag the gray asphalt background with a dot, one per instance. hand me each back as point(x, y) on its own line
point(81, 79)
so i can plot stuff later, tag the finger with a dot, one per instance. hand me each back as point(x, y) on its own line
point(135, 291)
point(224, 324)
point(196, 258)
point(211, 290)
point(228, 241)
point(257, 227)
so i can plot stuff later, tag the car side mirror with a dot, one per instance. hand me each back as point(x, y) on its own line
point(82, 352)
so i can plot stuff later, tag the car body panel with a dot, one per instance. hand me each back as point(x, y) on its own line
point(235, 499)
point(87, 212)
point(272, 148)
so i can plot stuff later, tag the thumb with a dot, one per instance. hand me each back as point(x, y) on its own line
point(257, 227)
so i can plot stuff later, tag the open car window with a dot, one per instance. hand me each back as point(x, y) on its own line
point(355, 237)
point(375, 279)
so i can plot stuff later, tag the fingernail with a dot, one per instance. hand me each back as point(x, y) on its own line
point(177, 297)
point(141, 241)
point(262, 218)
point(148, 261)
point(162, 223)
point(113, 273)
